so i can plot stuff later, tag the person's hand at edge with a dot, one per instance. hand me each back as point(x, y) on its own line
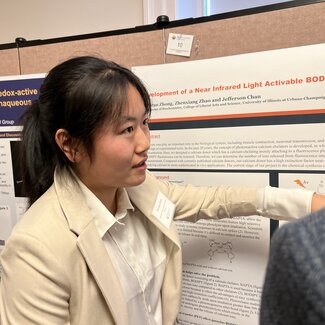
point(318, 202)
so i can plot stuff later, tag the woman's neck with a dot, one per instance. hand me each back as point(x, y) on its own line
point(107, 195)
point(108, 198)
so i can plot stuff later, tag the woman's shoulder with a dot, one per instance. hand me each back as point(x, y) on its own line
point(43, 222)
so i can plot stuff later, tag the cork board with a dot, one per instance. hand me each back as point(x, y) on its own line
point(273, 27)
point(9, 62)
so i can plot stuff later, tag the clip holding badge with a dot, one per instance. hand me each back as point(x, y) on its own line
point(164, 210)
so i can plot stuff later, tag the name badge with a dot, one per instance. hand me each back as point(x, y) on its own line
point(164, 210)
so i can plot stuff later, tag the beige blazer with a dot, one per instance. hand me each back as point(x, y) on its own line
point(56, 269)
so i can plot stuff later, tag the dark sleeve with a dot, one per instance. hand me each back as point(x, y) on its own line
point(294, 287)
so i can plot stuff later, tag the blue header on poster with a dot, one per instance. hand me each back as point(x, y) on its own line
point(15, 97)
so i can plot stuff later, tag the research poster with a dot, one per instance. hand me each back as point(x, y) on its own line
point(254, 119)
point(16, 93)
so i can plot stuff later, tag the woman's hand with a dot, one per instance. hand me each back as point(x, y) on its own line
point(318, 202)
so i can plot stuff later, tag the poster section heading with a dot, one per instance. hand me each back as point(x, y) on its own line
point(16, 94)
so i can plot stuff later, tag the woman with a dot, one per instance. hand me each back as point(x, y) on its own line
point(98, 244)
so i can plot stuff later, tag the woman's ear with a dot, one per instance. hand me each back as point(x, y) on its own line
point(68, 145)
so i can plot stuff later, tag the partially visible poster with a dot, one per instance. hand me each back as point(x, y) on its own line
point(311, 181)
point(16, 94)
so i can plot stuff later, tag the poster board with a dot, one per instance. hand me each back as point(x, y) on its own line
point(259, 121)
point(289, 27)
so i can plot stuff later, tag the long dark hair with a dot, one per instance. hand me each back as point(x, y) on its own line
point(78, 95)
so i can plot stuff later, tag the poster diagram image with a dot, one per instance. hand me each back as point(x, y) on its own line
point(16, 169)
point(217, 247)
point(304, 183)
point(312, 182)
point(300, 182)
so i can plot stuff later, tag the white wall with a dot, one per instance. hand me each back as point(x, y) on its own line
point(45, 19)
point(217, 6)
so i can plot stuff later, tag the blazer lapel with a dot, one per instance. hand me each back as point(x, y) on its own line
point(96, 257)
point(144, 196)
point(91, 245)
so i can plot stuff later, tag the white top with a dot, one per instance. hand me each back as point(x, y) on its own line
point(285, 204)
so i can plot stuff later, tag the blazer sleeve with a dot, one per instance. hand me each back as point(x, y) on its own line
point(195, 202)
point(203, 202)
point(26, 260)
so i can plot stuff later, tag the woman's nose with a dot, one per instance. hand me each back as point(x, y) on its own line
point(143, 140)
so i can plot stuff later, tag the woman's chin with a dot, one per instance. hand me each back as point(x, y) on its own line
point(139, 179)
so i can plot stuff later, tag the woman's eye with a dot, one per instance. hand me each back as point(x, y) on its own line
point(128, 130)
point(146, 122)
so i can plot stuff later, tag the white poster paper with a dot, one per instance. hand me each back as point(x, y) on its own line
point(224, 261)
